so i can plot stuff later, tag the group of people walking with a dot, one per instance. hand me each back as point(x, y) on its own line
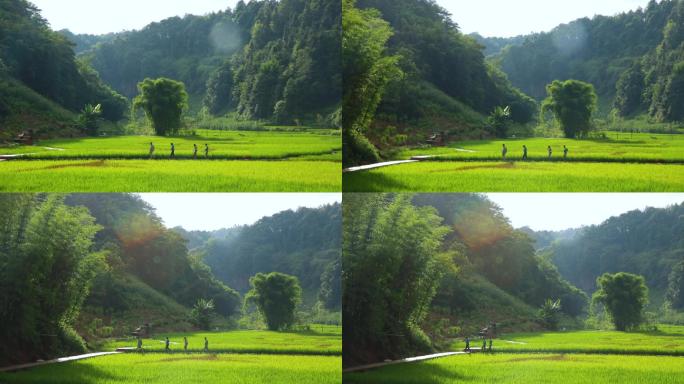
point(167, 344)
point(485, 333)
point(173, 150)
point(504, 152)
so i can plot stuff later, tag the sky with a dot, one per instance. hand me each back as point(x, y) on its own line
point(506, 18)
point(104, 16)
point(212, 211)
point(557, 211)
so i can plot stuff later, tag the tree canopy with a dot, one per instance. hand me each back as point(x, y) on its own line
point(624, 296)
point(573, 103)
point(164, 101)
point(276, 296)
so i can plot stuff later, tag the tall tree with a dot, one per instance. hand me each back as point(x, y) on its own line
point(572, 102)
point(163, 101)
point(276, 296)
point(366, 70)
point(624, 296)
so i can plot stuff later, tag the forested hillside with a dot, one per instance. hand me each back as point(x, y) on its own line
point(416, 266)
point(41, 81)
point(273, 60)
point(303, 243)
point(632, 59)
point(434, 76)
point(648, 243)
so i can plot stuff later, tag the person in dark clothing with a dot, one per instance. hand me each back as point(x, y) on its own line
point(565, 152)
point(550, 152)
point(173, 151)
point(167, 344)
point(151, 149)
point(490, 344)
point(467, 342)
point(206, 150)
point(504, 151)
point(194, 151)
point(139, 343)
point(206, 345)
point(524, 152)
point(484, 344)
point(185, 344)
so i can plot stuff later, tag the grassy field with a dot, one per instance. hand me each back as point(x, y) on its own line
point(187, 369)
point(667, 340)
point(618, 147)
point(530, 368)
point(225, 145)
point(169, 176)
point(456, 176)
point(238, 161)
point(620, 163)
point(246, 357)
point(322, 340)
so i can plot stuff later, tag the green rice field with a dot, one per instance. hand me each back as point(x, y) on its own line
point(187, 369)
point(620, 163)
point(238, 161)
point(246, 357)
point(530, 368)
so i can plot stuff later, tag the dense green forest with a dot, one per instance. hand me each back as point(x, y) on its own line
point(277, 61)
point(273, 60)
point(41, 81)
point(435, 76)
point(416, 266)
point(648, 243)
point(304, 243)
point(78, 268)
point(633, 59)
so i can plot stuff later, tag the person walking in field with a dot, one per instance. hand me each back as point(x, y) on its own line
point(206, 150)
point(490, 344)
point(504, 151)
point(206, 345)
point(467, 341)
point(524, 152)
point(484, 343)
point(173, 151)
point(139, 343)
point(151, 149)
point(550, 152)
point(565, 152)
point(185, 344)
point(167, 344)
point(194, 151)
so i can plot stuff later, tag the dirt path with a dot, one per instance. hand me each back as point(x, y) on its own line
point(53, 361)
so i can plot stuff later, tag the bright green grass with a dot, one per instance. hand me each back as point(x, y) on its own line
point(518, 177)
point(169, 176)
point(667, 340)
point(530, 368)
point(187, 369)
point(222, 145)
point(326, 341)
point(635, 148)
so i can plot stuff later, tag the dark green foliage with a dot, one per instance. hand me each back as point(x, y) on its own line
point(89, 118)
point(44, 61)
point(304, 243)
point(163, 101)
point(366, 72)
point(330, 294)
point(202, 312)
point(572, 102)
point(46, 268)
point(675, 289)
point(392, 267)
point(292, 61)
point(630, 91)
point(276, 295)
point(219, 97)
point(139, 244)
point(624, 296)
point(494, 45)
point(498, 121)
point(548, 313)
point(647, 243)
